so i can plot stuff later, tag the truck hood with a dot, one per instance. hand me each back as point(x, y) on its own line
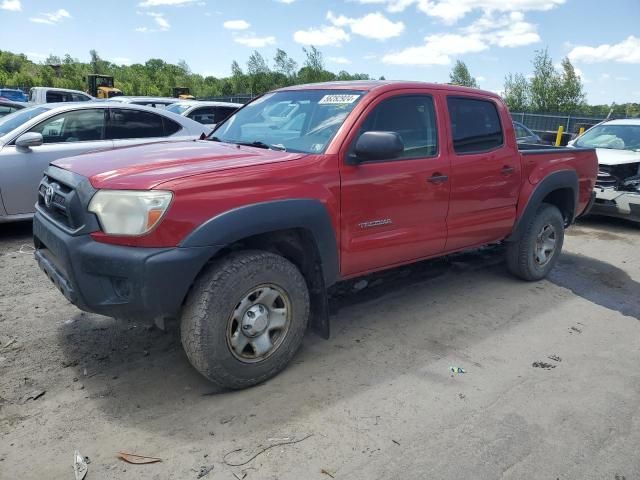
point(610, 156)
point(146, 166)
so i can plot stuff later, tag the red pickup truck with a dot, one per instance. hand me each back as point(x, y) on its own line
point(238, 236)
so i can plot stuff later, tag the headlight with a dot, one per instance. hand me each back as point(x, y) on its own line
point(129, 212)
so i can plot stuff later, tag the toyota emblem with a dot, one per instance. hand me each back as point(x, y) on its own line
point(49, 194)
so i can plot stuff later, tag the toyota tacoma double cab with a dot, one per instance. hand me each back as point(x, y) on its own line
point(239, 236)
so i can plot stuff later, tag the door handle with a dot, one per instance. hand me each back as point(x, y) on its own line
point(507, 170)
point(438, 178)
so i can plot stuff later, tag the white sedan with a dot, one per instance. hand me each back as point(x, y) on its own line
point(33, 137)
point(207, 113)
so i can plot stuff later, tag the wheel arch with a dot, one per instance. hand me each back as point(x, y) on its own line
point(559, 189)
point(300, 230)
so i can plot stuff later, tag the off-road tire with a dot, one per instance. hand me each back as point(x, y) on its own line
point(521, 254)
point(213, 299)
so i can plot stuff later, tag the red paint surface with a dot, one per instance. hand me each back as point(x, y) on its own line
point(479, 204)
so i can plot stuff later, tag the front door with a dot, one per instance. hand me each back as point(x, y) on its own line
point(395, 210)
point(65, 135)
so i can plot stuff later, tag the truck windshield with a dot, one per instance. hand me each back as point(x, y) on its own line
point(15, 119)
point(617, 137)
point(296, 121)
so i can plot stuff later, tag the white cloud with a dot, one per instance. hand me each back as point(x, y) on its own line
point(52, 18)
point(288, 2)
point(236, 25)
point(255, 42)
point(323, 36)
point(627, 51)
point(450, 11)
point(161, 21)
point(167, 3)
point(437, 50)
point(11, 5)
point(623, 79)
point(480, 78)
point(506, 30)
point(373, 25)
point(340, 60)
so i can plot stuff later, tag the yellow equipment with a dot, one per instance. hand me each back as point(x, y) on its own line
point(101, 86)
point(183, 93)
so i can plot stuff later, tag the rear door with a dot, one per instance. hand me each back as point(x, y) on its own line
point(128, 126)
point(485, 173)
point(65, 135)
point(394, 211)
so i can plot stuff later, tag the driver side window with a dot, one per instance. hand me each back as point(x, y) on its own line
point(412, 117)
point(77, 126)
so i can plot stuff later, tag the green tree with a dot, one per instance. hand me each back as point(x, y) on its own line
point(284, 64)
point(517, 92)
point(571, 95)
point(546, 84)
point(460, 75)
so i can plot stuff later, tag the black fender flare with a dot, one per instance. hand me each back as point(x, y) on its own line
point(555, 181)
point(260, 218)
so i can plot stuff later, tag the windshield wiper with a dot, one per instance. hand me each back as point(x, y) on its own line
point(259, 144)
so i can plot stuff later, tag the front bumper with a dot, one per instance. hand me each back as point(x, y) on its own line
point(145, 284)
point(614, 203)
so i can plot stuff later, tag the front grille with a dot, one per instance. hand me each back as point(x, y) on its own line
point(55, 198)
point(614, 176)
point(606, 180)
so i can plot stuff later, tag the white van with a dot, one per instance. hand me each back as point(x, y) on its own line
point(57, 95)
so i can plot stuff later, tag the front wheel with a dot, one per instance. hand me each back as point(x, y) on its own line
point(533, 256)
point(245, 318)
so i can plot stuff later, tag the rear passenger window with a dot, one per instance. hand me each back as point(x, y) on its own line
point(475, 125)
point(170, 127)
point(125, 123)
point(413, 117)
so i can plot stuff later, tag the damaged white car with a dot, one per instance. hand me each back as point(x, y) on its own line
point(617, 143)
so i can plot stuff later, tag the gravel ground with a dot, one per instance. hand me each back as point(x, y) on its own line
point(551, 388)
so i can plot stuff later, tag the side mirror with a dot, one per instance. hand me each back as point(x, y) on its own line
point(378, 146)
point(29, 139)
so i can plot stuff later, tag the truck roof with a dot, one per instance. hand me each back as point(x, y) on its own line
point(386, 85)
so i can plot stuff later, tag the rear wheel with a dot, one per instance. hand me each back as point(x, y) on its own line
point(245, 318)
point(535, 254)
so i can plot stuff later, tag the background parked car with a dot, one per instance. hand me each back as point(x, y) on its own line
point(57, 95)
point(7, 107)
point(156, 102)
point(13, 94)
point(524, 135)
point(617, 144)
point(33, 137)
point(207, 113)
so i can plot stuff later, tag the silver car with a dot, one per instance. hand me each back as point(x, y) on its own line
point(33, 137)
point(207, 113)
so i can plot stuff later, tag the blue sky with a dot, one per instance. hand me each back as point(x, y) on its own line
point(400, 39)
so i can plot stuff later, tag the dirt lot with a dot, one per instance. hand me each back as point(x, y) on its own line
point(377, 399)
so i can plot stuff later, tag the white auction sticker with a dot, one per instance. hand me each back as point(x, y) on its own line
point(338, 99)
